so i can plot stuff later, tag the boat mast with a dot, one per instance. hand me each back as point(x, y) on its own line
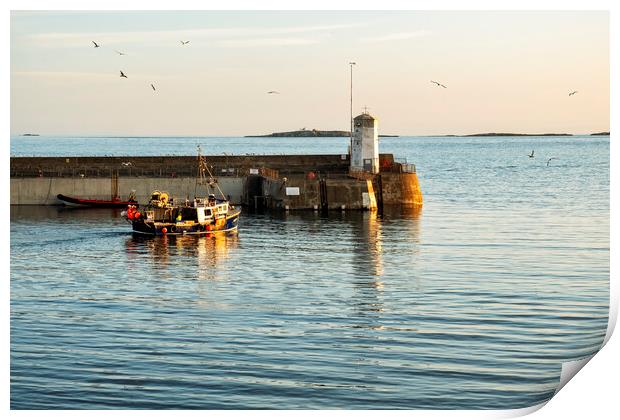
point(203, 169)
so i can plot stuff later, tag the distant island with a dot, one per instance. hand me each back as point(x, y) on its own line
point(29, 135)
point(604, 133)
point(340, 133)
point(313, 133)
point(515, 135)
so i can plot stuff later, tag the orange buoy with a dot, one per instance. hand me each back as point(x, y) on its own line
point(164, 230)
point(136, 215)
point(208, 227)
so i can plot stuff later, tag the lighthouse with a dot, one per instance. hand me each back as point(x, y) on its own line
point(365, 145)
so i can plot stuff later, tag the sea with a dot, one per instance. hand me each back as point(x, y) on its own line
point(473, 301)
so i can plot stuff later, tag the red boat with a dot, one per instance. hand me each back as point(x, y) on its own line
point(82, 202)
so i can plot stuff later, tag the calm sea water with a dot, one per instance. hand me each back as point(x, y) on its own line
point(472, 302)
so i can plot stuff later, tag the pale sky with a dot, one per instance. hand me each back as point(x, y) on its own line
point(508, 71)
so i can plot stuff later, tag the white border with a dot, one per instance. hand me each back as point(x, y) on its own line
point(592, 394)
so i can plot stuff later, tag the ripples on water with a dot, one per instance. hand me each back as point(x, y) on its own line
point(472, 302)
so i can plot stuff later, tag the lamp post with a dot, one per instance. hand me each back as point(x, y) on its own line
point(351, 64)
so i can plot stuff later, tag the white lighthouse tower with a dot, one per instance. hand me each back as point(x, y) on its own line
point(365, 145)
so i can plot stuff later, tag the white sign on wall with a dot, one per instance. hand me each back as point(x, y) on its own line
point(292, 190)
point(365, 200)
point(253, 171)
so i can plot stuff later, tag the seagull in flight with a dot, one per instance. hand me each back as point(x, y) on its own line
point(153, 86)
point(96, 45)
point(439, 84)
point(120, 53)
point(531, 155)
point(572, 93)
point(550, 160)
point(126, 163)
point(184, 42)
point(123, 74)
point(271, 92)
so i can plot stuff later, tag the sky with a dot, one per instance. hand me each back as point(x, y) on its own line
point(505, 71)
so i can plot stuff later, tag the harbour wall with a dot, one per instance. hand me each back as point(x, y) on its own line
point(174, 166)
point(43, 190)
point(273, 182)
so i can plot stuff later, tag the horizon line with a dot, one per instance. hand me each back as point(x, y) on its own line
point(489, 134)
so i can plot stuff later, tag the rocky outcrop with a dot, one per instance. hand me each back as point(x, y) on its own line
point(308, 133)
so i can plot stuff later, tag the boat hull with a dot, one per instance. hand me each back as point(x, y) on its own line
point(143, 227)
point(80, 202)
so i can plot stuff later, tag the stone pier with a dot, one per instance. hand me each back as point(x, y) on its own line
point(291, 182)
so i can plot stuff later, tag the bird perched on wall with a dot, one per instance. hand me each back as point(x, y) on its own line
point(572, 93)
point(531, 155)
point(96, 45)
point(184, 42)
point(123, 75)
point(439, 84)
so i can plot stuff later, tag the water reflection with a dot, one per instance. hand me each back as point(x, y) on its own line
point(412, 213)
point(372, 236)
point(63, 213)
point(368, 249)
point(369, 236)
point(207, 253)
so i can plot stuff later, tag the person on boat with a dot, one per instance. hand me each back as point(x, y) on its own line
point(212, 199)
point(132, 196)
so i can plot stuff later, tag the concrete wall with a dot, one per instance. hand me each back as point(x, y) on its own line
point(43, 190)
point(401, 189)
point(345, 192)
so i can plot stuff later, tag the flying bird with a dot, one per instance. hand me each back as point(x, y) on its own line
point(119, 53)
point(153, 86)
point(572, 93)
point(123, 74)
point(271, 92)
point(550, 160)
point(96, 45)
point(184, 42)
point(531, 155)
point(439, 84)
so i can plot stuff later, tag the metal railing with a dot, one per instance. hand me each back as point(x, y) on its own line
point(191, 172)
point(163, 172)
point(408, 168)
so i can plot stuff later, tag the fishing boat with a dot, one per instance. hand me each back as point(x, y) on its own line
point(114, 202)
point(201, 216)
